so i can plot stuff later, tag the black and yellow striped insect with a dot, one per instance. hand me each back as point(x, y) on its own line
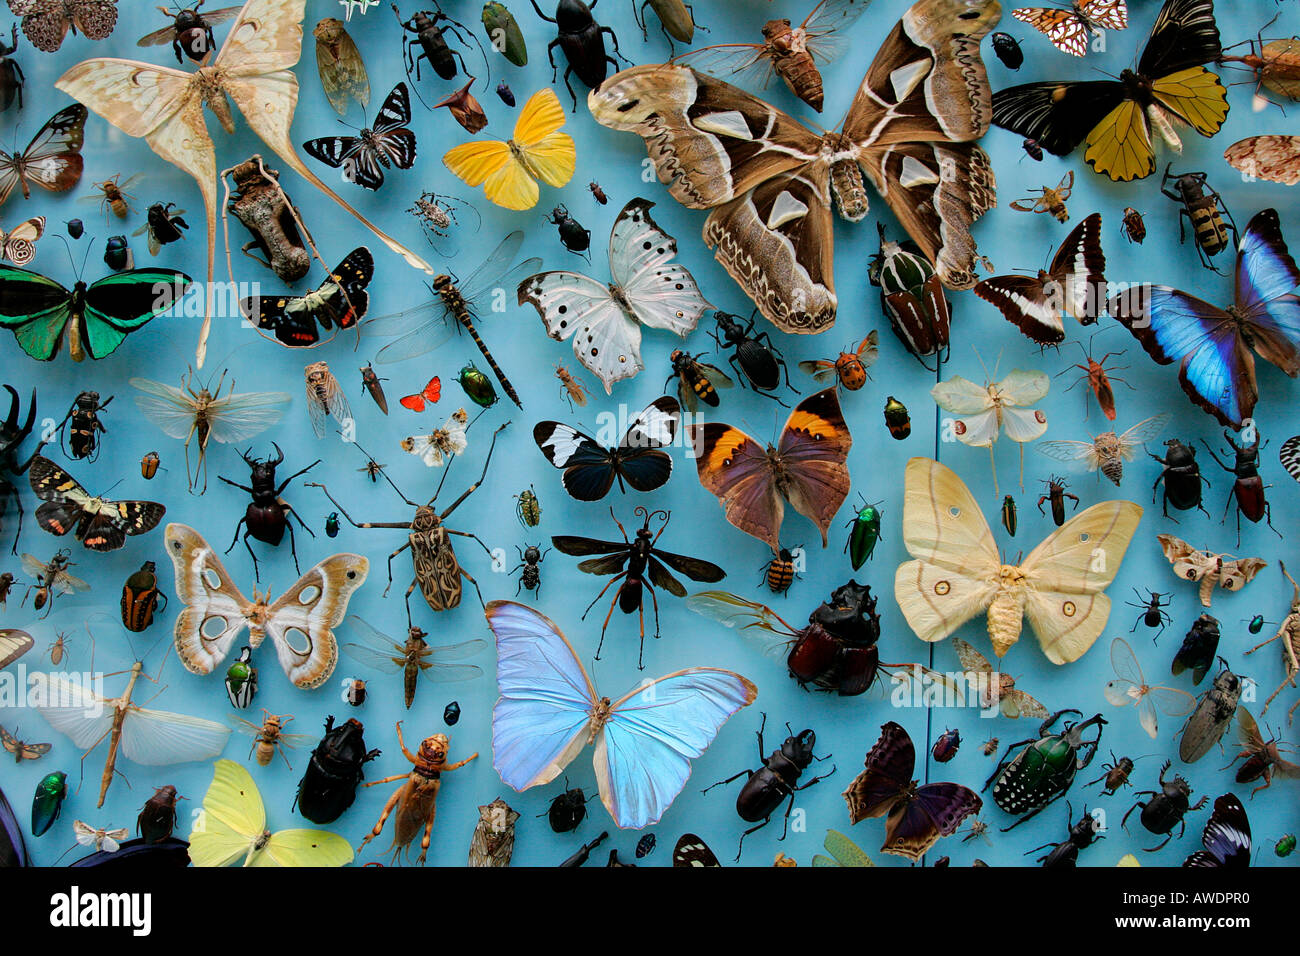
point(780, 573)
point(1203, 207)
point(696, 381)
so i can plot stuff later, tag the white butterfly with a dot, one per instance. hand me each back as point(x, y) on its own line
point(995, 407)
point(445, 442)
point(301, 622)
point(19, 245)
point(98, 837)
point(607, 319)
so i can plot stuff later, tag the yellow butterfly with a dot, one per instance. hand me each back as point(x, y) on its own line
point(254, 69)
point(232, 829)
point(958, 573)
point(509, 171)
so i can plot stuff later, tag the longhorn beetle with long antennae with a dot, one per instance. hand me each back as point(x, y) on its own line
point(437, 571)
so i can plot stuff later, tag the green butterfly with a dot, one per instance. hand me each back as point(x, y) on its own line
point(97, 318)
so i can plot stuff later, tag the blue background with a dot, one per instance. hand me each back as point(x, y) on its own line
point(846, 727)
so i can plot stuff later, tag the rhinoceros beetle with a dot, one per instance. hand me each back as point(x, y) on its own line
point(775, 780)
point(1166, 808)
point(329, 784)
point(1044, 770)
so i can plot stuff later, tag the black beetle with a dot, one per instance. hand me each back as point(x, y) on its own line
point(572, 234)
point(451, 714)
point(1247, 487)
point(1166, 808)
point(1082, 835)
point(774, 780)
point(330, 783)
point(507, 95)
point(1153, 613)
point(11, 74)
point(1008, 51)
point(837, 651)
point(567, 810)
point(530, 560)
point(754, 357)
point(1199, 648)
point(1182, 477)
point(582, 40)
point(267, 516)
point(163, 225)
point(1032, 149)
point(429, 38)
point(82, 437)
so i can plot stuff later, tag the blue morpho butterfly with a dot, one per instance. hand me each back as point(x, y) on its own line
point(1226, 837)
point(1214, 345)
point(97, 317)
point(549, 710)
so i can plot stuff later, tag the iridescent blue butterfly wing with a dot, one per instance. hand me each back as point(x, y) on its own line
point(1226, 837)
point(540, 721)
point(644, 756)
point(1266, 276)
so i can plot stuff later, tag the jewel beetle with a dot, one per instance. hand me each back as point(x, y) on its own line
point(332, 524)
point(48, 801)
point(1010, 519)
point(897, 420)
point(866, 532)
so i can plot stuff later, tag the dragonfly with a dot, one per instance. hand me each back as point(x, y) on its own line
point(462, 301)
point(413, 658)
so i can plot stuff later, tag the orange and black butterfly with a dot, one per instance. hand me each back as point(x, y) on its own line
point(340, 301)
point(101, 524)
point(21, 749)
point(1072, 28)
point(806, 467)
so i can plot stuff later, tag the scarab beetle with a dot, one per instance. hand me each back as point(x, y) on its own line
point(897, 420)
point(945, 748)
point(1044, 770)
point(1166, 808)
point(1008, 50)
point(477, 386)
point(140, 597)
point(567, 810)
point(451, 714)
point(1182, 477)
point(332, 524)
point(329, 785)
point(913, 298)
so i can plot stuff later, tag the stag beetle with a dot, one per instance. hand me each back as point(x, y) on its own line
point(434, 50)
point(11, 437)
point(267, 515)
point(774, 780)
point(580, 37)
point(1248, 488)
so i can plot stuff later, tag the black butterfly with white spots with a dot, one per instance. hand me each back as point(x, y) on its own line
point(101, 524)
point(339, 302)
point(364, 158)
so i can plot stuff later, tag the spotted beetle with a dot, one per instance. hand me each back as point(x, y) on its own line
point(1044, 770)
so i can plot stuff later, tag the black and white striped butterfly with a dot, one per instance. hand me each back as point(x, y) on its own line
point(363, 158)
point(590, 468)
point(1075, 284)
point(1226, 838)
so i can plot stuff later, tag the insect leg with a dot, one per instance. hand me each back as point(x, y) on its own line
point(390, 566)
point(383, 817)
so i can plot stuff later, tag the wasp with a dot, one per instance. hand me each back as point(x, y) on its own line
point(574, 390)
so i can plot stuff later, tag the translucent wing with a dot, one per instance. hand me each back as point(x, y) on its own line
point(238, 417)
point(155, 738)
point(1072, 451)
point(490, 270)
point(753, 620)
point(1142, 432)
point(643, 758)
point(170, 408)
point(1129, 682)
point(542, 718)
point(73, 710)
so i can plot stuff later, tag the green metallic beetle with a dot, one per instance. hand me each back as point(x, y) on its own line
point(528, 508)
point(48, 801)
point(1284, 846)
point(241, 680)
point(1010, 520)
point(504, 34)
point(865, 534)
point(1044, 770)
point(477, 386)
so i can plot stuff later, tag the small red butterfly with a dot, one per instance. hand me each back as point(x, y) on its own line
point(431, 393)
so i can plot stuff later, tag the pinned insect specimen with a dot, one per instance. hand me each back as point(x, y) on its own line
point(1099, 379)
point(325, 398)
point(1231, 574)
point(11, 74)
point(140, 595)
point(308, 611)
point(207, 415)
point(190, 32)
point(261, 204)
point(638, 567)
point(1198, 649)
point(1289, 633)
point(1166, 808)
point(157, 818)
point(1214, 710)
point(52, 160)
point(530, 563)
point(371, 382)
point(81, 427)
point(575, 392)
point(98, 523)
point(163, 226)
point(152, 738)
point(241, 679)
point(1057, 494)
point(416, 800)
point(21, 749)
point(437, 570)
point(1201, 206)
point(443, 444)
point(1116, 774)
point(1133, 225)
point(437, 214)
point(493, 842)
point(916, 816)
point(6, 586)
point(428, 395)
point(1044, 767)
point(506, 38)
point(1274, 158)
point(1276, 65)
point(414, 659)
point(428, 31)
point(996, 688)
point(1130, 687)
point(52, 578)
point(1247, 487)
point(1153, 612)
point(269, 737)
point(338, 61)
point(994, 408)
point(267, 515)
point(849, 369)
point(1263, 757)
point(792, 53)
point(459, 300)
point(18, 245)
point(1050, 200)
point(113, 195)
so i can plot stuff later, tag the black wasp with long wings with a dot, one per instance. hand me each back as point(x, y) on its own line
point(629, 562)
